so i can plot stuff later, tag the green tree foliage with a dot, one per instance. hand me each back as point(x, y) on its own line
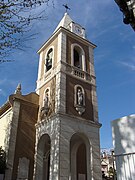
point(112, 172)
point(15, 19)
point(2, 161)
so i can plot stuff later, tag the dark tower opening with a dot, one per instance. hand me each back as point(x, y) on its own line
point(76, 59)
point(49, 59)
point(81, 162)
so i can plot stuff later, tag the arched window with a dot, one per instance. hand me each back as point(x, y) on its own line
point(49, 58)
point(81, 162)
point(80, 157)
point(78, 57)
point(43, 158)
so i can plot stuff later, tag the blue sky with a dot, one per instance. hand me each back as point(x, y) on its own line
point(114, 58)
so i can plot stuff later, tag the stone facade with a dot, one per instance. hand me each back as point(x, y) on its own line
point(61, 128)
point(72, 129)
point(55, 131)
point(19, 140)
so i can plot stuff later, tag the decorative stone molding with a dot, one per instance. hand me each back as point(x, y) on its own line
point(80, 109)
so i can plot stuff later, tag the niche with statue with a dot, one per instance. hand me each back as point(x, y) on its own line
point(46, 104)
point(79, 99)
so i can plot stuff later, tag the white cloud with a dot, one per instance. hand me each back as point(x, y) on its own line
point(130, 66)
point(3, 81)
point(2, 92)
point(8, 82)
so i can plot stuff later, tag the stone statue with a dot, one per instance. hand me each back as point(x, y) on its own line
point(46, 107)
point(46, 101)
point(80, 97)
point(79, 101)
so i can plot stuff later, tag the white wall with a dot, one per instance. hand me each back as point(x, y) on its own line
point(123, 134)
point(5, 120)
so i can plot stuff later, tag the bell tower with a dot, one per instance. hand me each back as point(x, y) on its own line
point(67, 130)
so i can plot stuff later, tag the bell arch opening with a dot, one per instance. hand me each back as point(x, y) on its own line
point(79, 157)
point(49, 59)
point(78, 57)
point(43, 158)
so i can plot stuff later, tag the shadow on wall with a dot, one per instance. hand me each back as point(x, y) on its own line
point(123, 133)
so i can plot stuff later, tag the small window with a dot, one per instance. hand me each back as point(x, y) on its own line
point(49, 59)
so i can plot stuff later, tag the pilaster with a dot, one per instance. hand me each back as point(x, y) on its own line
point(62, 47)
point(60, 99)
point(52, 128)
point(39, 71)
point(91, 61)
point(12, 140)
point(94, 102)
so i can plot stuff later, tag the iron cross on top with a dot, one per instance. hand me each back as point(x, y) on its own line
point(66, 7)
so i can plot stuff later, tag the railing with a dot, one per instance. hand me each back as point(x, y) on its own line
point(70, 70)
point(125, 166)
point(78, 72)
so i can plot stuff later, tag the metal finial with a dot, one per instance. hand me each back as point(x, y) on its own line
point(66, 7)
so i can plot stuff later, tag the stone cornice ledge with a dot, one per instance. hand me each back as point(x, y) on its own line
point(76, 118)
point(80, 119)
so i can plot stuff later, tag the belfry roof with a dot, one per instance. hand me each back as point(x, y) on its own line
point(68, 24)
point(65, 21)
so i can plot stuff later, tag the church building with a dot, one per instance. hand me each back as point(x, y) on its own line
point(53, 133)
